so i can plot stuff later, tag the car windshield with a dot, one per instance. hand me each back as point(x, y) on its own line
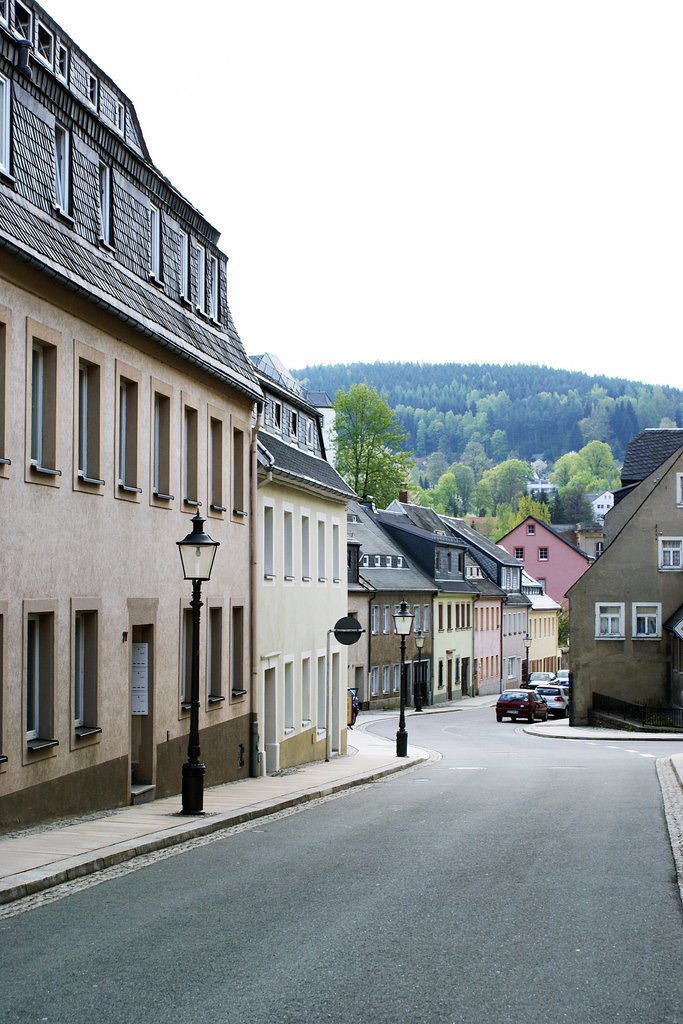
point(549, 691)
point(513, 696)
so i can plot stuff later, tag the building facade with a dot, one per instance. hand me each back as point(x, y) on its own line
point(547, 555)
point(126, 405)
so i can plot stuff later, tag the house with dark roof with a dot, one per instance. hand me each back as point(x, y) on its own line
point(126, 408)
point(300, 588)
point(627, 610)
point(381, 576)
point(547, 555)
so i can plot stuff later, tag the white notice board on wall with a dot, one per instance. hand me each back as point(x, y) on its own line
point(139, 703)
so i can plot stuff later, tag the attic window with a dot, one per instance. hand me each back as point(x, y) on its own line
point(22, 21)
point(294, 424)
point(531, 529)
point(62, 62)
point(93, 88)
point(4, 11)
point(45, 48)
point(120, 122)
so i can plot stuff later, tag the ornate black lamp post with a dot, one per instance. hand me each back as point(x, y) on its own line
point(527, 645)
point(419, 688)
point(197, 552)
point(403, 623)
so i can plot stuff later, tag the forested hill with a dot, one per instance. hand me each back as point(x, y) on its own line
point(525, 411)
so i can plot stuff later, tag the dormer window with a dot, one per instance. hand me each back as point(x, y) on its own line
point(154, 243)
point(62, 62)
point(93, 89)
point(277, 415)
point(213, 289)
point(120, 122)
point(62, 169)
point(4, 11)
point(309, 431)
point(293, 424)
point(23, 22)
point(45, 45)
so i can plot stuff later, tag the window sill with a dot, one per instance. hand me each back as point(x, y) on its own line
point(83, 731)
point(289, 578)
point(305, 579)
point(185, 707)
point(129, 489)
point(239, 693)
point(3, 759)
point(44, 470)
point(5, 462)
point(269, 576)
point(192, 502)
point(216, 698)
point(62, 215)
point(217, 508)
point(162, 497)
point(7, 178)
point(289, 730)
point(239, 512)
point(156, 281)
point(610, 638)
point(322, 579)
point(107, 246)
point(40, 744)
point(93, 481)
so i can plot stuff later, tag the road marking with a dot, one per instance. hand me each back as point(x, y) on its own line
point(464, 768)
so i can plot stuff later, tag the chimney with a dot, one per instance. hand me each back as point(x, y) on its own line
point(403, 497)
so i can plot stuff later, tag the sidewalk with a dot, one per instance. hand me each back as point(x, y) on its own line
point(41, 857)
point(45, 856)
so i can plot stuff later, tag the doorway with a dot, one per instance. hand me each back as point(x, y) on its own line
point(142, 708)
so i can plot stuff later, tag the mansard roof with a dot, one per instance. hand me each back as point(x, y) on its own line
point(362, 529)
point(301, 468)
point(647, 451)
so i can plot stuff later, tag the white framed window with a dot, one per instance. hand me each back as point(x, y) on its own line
point(4, 12)
point(374, 681)
point(237, 647)
point(161, 443)
point(609, 621)
point(543, 554)
point(293, 424)
point(39, 653)
point(530, 529)
point(184, 265)
point(105, 203)
point(374, 619)
point(62, 168)
point(23, 21)
point(120, 117)
point(305, 691)
point(213, 288)
point(646, 622)
point(670, 552)
point(288, 544)
point(277, 415)
point(239, 499)
point(214, 654)
point(679, 489)
point(89, 422)
point(93, 90)
point(62, 61)
point(190, 455)
point(216, 495)
point(386, 678)
point(336, 569)
point(519, 554)
point(155, 243)
point(512, 668)
point(426, 618)
point(5, 93)
point(305, 548)
point(45, 45)
point(289, 696)
point(397, 678)
point(200, 263)
point(127, 432)
point(322, 569)
point(386, 619)
point(268, 541)
point(309, 432)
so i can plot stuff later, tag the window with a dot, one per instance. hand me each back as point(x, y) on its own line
point(93, 90)
point(670, 552)
point(185, 658)
point(289, 696)
point(5, 462)
point(161, 443)
point(305, 691)
point(85, 673)
point(39, 655)
point(200, 279)
point(543, 554)
point(310, 437)
point(322, 688)
point(425, 619)
point(190, 456)
point(4, 125)
point(88, 424)
point(4, 12)
point(609, 621)
point(237, 651)
point(154, 243)
point(105, 204)
point(43, 377)
point(530, 529)
point(45, 45)
point(305, 548)
point(62, 62)
point(127, 437)
point(268, 537)
point(321, 552)
point(120, 118)
point(213, 288)
point(512, 668)
point(599, 548)
point(374, 681)
point(277, 415)
point(397, 678)
point(519, 554)
point(374, 619)
point(293, 424)
point(184, 266)
point(386, 619)
point(238, 492)
point(646, 622)
point(214, 659)
point(62, 169)
point(386, 678)
point(216, 497)
point(23, 24)
point(441, 616)
point(288, 529)
point(335, 554)
point(679, 489)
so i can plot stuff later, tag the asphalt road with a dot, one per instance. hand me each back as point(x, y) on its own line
point(511, 880)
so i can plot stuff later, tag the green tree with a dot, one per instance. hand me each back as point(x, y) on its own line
point(368, 445)
point(507, 482)
point(464, 480)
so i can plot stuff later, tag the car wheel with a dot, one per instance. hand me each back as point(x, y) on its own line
point(499, 718)
point(562, 714)
point(532, 717)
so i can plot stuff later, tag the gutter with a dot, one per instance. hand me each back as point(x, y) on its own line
point(256, 760)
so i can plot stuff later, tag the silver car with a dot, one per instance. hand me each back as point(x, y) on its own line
point(555, 698)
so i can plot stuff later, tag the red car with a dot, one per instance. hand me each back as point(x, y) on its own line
point(516, 704)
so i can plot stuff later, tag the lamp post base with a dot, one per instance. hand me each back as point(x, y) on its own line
point(401, 743)
point(193, 788)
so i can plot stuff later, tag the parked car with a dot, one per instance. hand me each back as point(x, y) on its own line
point(555, 698)
point(538, 677)
point(521, 703)
point(563, 676)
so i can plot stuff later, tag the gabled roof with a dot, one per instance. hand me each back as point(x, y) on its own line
point(479, 542)
point(301, 468)
point(362, 529)
point(549, 529)
point(647, 451)
point(421, 544)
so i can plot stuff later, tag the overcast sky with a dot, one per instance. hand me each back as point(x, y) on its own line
point(466, 180)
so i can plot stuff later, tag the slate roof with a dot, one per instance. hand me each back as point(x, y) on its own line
point(647, 451)
point(43, 242)
point(477, 540)
point(421, 543)
point(362, 528)
point(301, 467)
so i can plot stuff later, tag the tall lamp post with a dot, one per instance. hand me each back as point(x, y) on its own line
point(418, 687)
point(527, 645)
point(403, 623)
point(197, 552)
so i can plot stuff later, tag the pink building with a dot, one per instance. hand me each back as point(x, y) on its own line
point(547, 556)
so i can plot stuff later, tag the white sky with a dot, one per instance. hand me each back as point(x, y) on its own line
point(436, 180)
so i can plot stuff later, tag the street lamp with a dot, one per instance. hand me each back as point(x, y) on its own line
point(403, 623)
point(419, 688)
point(197, 552)
point(527, 645)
